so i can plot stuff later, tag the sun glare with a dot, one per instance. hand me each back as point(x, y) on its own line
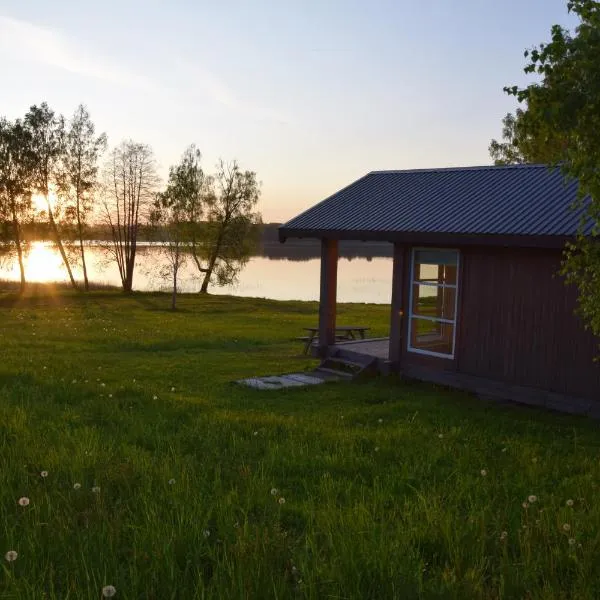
point(38, 201)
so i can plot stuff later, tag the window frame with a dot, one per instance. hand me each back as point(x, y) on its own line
point(412, 316)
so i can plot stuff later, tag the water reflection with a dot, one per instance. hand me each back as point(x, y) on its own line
point(359, 279)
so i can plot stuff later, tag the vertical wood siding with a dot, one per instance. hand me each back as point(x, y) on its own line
point(516, 323)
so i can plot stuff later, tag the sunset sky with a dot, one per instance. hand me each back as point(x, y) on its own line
point(310, 95)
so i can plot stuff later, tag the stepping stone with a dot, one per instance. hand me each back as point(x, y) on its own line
point(278, 382)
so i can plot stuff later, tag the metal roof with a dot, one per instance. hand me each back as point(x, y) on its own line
point(482, 204)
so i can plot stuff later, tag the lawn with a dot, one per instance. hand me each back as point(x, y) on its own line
point(148, 470)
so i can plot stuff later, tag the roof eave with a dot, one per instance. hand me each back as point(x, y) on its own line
point(430, 238)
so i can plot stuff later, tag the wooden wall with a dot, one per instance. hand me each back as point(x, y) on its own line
point(516, 323)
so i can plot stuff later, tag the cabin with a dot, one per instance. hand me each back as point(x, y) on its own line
point(477, 300)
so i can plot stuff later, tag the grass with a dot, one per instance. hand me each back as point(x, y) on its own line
point(391, 490)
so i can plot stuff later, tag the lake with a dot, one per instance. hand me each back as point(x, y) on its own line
point(360, 279)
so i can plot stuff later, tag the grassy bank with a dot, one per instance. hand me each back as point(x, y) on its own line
point(166, 480)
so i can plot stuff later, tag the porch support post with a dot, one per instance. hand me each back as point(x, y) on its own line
point(395, 350)
point(327, 304)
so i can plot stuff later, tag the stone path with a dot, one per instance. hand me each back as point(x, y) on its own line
point(278, 382)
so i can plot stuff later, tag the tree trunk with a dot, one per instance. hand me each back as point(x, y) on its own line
point(86, 283)
point(60, 245)
point(208, 273)
point(17, 235)
point(174, 296)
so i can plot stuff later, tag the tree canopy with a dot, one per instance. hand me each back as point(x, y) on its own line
point(560, 124)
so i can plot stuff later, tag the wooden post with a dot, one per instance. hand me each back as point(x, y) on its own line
point(327, 304)
point(395, 350)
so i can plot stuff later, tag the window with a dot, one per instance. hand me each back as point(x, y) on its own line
point(433, 301)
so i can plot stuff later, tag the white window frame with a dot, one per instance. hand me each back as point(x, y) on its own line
point(412, 316)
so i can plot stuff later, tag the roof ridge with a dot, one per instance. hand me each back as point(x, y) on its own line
point(470, 168)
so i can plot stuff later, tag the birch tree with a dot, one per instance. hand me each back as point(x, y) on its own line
point(16, 171)
point(130, 189)
point(78, 180)
point(47, 132)
point(231, 233)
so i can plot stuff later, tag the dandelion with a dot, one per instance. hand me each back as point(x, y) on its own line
point(281, 500)
point(571, 541)
point(534, 460)
point(483, 472)
point(440, 435)
point(45, 368)
point(96, 489)
point(504, 449)
point(236, 524)
point(525, 505)
point(569, 502)
point(155, 397)
point(503, 535)
point(380, 421)
point(44, 474)
point(24, 501)
point(108, 591)
point(206, 533)
point(74, 381)
point(11, 555)
point(376, 448)
point(274, 491)
point(532, 499)
point(171, 482)
point(76, 486)
point(566, 527)
point(103, 384)
point(110, 395)
point(172, 389)
point(255, 433)
point(134, 380)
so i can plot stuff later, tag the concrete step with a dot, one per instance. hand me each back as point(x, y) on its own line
point(340, 374)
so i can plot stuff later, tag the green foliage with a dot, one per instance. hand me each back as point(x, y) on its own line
point(563, 115)
point(384, 496)
point(231, 231)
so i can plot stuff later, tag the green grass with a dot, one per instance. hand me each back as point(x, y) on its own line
point(382, 480)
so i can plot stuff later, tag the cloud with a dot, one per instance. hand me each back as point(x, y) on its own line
point(206, 83)
point(39, 44)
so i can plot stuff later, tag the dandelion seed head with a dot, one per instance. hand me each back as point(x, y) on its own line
point(11, 555)
point(108, 591)
point(569, 502)
point(274, 491)
point(255, 433)
point(483, 472)
point(566, 527)
point(74, 381)
point(172, 389)
point(571, 541)
point(206, 533)
point(534, 460)
point(110, 395)
point(532, 499)
point(155, 397)
point(103, 384)
point(440, 435)
point(44, 474)
point(281, 500)
point(96, 489)
point(525, 505)
point(504, 535)
point(76, 486)
point(504, 449)
point(376, 448)
point(171, 482)
point(24, 501)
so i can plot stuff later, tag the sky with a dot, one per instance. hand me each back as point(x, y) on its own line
point(309, 94)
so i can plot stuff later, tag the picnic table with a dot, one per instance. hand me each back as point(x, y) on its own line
point(342, 333)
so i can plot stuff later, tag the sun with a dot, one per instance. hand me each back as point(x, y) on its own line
point(38, 201)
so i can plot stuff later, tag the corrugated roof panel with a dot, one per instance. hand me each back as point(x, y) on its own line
point(504, 200)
